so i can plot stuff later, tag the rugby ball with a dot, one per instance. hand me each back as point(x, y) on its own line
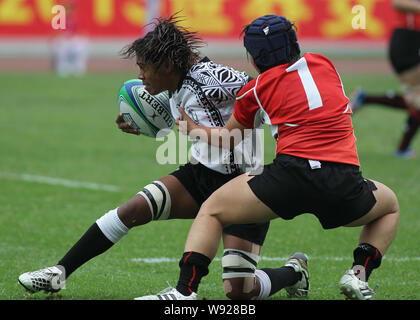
point(147, 113)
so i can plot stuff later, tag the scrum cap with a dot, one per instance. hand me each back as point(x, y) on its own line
point(269, 39)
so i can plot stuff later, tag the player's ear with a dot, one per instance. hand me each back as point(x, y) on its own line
point(253, 63)
point(167, 67)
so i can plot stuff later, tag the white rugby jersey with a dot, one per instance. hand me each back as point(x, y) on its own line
point(208, 94)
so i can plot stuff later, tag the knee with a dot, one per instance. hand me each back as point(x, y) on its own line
point(158, 200)
point(134, 212)
point(396, 213)
point(239, 282)
point(412, 96)
point(387, 201)
point(395, 207)
point(240, 288)
point(414, 100)
point(152, 203)
point(391, 210)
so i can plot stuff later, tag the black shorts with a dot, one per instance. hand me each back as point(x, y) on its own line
point(336, 193)
point(201, 182)
point(404, 49)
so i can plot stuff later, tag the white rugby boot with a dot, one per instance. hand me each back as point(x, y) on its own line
point(354, 288)
point(299, 262)
point(169, 294)
point(47, 279)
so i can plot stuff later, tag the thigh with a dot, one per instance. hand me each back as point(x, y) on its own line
point(183, 204)
point(235, 203)
point(386, 202)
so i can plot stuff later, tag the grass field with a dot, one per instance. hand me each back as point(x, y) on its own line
point(53, 128)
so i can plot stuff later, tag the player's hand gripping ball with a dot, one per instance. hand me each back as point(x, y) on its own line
point(147, 113)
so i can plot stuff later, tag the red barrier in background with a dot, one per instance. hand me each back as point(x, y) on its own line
point(327, 19)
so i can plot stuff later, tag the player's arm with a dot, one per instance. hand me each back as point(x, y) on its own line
point(125, 126)
point(225, 137)
point(407, 6)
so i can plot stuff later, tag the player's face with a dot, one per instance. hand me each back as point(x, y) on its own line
point(154, 80)
point(253, 63)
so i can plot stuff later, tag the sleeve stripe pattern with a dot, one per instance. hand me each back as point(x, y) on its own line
point(252, 89)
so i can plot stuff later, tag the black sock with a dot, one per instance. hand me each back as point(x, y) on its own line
point(282, 277)
point(193, 266)
point(394, 101)
point(367, 257)
point(91, 244)
point(410, 131)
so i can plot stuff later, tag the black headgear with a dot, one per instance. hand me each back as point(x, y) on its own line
point(268, 40)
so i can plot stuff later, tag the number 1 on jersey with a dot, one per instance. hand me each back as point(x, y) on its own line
point(311, 90)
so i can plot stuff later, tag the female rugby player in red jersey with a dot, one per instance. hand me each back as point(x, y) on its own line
point(316, 169)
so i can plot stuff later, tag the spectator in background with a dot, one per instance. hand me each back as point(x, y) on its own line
point(404, 54)
point(69, 48)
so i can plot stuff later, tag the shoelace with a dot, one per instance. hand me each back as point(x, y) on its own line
point(44, 272)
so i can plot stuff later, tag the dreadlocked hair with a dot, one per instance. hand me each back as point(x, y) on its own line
point(167, 41)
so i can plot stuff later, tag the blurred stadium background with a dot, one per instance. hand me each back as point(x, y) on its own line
point(27, 36)
point(63, 163)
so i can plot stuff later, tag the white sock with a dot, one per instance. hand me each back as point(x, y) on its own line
point(265, 284)
point(111, 226)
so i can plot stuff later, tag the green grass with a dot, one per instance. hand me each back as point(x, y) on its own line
point(65, 128)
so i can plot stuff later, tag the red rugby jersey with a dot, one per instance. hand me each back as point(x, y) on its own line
point(407, 20)
point(306, 105)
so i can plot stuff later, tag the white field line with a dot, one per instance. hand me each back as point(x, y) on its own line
point(264, 258)
point(58, 181)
